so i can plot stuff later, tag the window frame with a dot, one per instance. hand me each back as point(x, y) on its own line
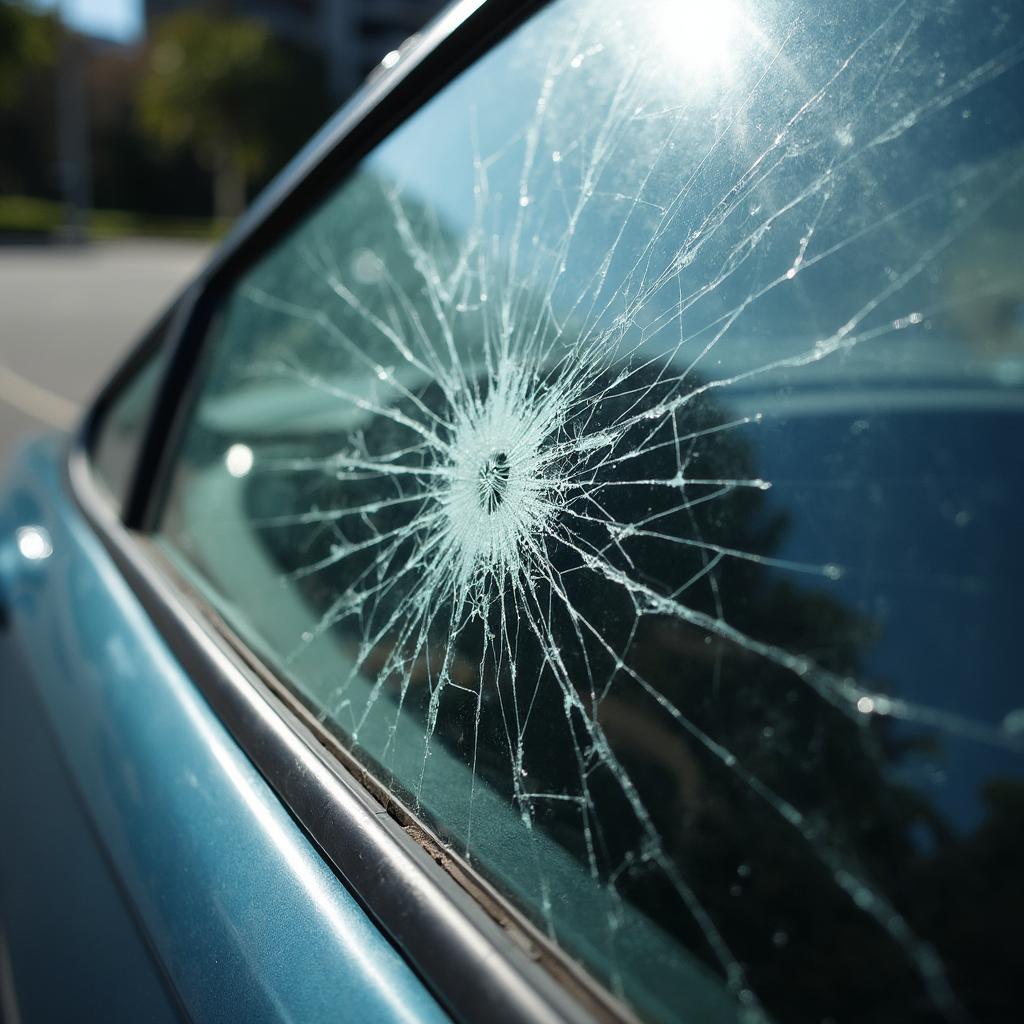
point(476, 952)
point(148, 350)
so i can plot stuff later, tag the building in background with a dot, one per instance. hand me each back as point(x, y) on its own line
point(353, 35)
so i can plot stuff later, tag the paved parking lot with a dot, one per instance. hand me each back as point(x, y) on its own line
point(68, 314)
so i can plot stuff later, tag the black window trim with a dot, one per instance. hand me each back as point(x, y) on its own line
point(478, 954)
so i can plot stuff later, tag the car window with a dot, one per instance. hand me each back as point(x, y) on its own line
point(119, 432)
point(625, 463)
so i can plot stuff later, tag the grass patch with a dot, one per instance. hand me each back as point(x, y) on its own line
point(24, 216)
point(42, 218)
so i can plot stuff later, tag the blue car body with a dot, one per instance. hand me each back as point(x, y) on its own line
point(147, 871)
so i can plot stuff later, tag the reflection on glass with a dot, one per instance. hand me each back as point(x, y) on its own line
point(629, 473)
point(238, 460)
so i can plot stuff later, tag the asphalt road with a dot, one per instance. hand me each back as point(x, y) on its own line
point(68, 314)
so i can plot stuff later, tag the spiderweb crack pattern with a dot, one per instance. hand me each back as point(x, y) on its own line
point(544, 430)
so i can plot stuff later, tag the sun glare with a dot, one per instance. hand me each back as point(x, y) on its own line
point(700, 38)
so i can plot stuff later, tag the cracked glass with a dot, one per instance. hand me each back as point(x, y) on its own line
point(625, 464)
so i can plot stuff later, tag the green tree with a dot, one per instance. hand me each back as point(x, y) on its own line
point(28, 41)
point(232, 94)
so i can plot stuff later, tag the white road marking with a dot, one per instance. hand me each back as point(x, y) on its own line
point(41, 404)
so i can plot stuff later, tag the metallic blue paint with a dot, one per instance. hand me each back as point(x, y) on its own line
point(244, 916)
point(58, 891)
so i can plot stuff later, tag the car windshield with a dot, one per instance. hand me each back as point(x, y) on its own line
point(625, 464)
